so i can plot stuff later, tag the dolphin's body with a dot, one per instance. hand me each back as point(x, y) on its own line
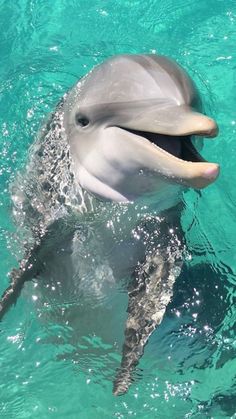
point(122, 134)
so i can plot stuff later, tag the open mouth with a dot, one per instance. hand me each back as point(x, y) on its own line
point(178, 146)
point(175, 157)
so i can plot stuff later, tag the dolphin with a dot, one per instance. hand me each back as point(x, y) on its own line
point(128, 132)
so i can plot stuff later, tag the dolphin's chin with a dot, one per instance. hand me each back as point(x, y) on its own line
point(181, 147)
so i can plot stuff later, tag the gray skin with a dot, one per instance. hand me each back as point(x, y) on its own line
point(122, 134)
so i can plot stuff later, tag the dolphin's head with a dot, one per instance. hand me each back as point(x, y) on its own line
point(130, 124)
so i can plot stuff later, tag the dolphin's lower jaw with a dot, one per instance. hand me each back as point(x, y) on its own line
point(178, 146)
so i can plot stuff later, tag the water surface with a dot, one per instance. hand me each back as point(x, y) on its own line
point(189, 365)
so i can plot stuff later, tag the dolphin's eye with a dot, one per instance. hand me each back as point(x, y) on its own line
point(81, 120)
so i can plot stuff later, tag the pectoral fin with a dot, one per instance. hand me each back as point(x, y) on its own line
point(151, 292)
point(32, 263)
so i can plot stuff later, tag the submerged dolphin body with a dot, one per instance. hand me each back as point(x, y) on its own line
point(123, 134)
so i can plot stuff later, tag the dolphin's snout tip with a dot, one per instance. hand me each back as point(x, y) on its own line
point(202, 175)
point(205, 126)
point(196, 123)
point(212, 129)
point(209, 175)
point(212, 172)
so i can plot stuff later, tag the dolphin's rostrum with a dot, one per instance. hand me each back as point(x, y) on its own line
point(124, 133)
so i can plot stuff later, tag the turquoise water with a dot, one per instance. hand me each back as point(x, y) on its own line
point(188, 370)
